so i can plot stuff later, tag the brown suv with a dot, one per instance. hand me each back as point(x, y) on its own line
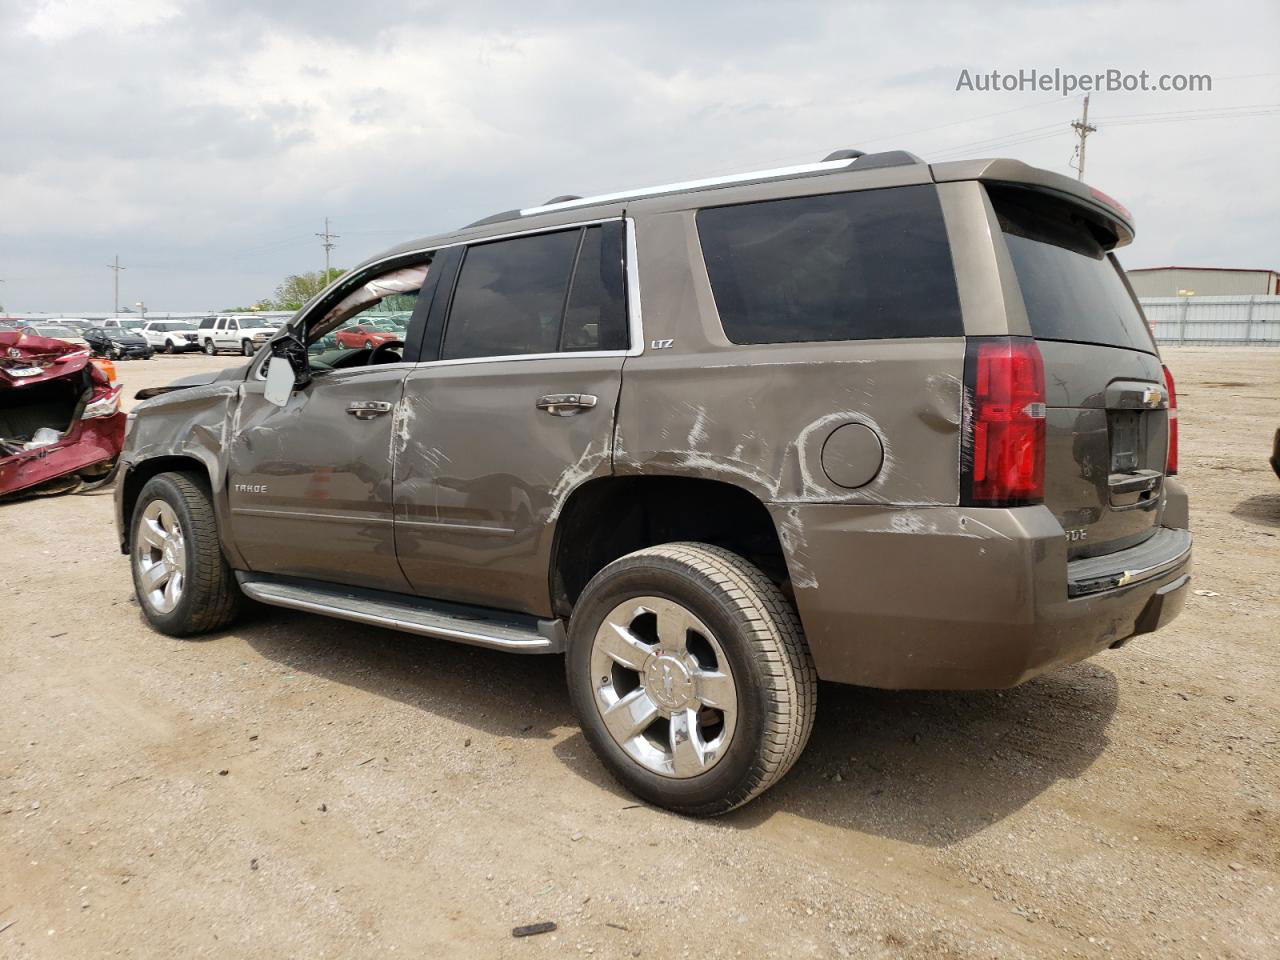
point(868, 420)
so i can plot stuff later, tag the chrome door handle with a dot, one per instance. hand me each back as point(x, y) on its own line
point(566, 404)
point(368, 409)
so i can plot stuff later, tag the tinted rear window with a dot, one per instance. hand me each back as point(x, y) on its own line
point(1072, 289)
point(596, 315)
point(842, 266)
point(510, 297)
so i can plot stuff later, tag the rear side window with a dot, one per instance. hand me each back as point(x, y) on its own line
point(596, 315)
point(1072, 289)
point(843, 266)
point(539, 294)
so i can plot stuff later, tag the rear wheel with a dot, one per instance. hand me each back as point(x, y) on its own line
point(182, 580)
point(209, 348)
point(691, 677)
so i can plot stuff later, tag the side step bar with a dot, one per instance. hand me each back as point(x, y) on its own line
point(478, 626)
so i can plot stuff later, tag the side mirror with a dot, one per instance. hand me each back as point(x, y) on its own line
point(287, 369)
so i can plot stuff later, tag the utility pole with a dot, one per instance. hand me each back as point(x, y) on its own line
point(1082, 129)
point(117, 268)
point(328, 245)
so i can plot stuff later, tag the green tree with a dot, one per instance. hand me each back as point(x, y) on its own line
point(298, 288)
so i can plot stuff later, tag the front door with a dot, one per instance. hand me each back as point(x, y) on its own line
point(310, 483)
point(515, 412)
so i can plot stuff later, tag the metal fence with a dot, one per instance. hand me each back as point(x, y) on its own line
point(1219, 321)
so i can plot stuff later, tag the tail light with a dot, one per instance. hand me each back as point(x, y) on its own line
point(1171, 467)
point(105, 403)
point(1002, 460)
point(107, 367)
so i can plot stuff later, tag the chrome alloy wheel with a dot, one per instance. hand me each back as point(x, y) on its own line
point(663, 687)
point(160, 557)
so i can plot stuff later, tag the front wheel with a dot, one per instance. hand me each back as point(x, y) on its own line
point(691, 677)
point(169, 347)
point(209, 348)
point(246, 348)
point(182, 580)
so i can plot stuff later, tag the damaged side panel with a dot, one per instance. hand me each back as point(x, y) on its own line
point(481, 473)
point(191, 424)
point(760, 417)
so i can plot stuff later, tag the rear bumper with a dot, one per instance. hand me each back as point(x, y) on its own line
point(960, 598)
point(90, 443)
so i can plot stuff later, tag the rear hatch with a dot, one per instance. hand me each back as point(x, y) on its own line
point(1107, 422)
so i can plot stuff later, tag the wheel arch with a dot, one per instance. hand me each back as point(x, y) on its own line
point(644, 511)
point(136, 477)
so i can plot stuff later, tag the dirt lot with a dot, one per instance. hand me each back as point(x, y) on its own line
point(300, 787)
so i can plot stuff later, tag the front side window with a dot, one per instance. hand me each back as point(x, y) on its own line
point(540, 294)
point(843, 266)
point(374, 313)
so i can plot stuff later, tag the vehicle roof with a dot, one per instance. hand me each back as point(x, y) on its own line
point(841, 171)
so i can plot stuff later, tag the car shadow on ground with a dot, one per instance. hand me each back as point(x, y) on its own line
point(928, 768)
point(1262, 509)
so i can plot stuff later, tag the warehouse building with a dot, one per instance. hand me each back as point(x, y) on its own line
point(1202, 282)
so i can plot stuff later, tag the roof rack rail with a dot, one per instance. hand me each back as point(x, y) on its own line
point(840, 161)
point(844, 155)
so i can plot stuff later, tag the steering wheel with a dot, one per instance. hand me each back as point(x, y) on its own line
point(378, 352)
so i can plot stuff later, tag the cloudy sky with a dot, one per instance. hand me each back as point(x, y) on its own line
point(204, 141)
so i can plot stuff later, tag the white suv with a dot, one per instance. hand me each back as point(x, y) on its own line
point(244, 334)
point(170, 336)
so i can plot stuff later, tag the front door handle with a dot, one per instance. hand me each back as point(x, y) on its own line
point(368, 409)
point(566, 404)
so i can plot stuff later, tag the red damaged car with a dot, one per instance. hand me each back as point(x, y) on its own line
point(60, 417)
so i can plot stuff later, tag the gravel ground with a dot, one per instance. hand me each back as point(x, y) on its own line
point(301, 787)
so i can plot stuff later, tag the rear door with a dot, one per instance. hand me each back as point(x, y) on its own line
point(1107, 422)
point(515, 411)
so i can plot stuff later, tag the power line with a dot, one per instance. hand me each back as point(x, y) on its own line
point(1083, 128)
point(328, 245)
point(116, 268)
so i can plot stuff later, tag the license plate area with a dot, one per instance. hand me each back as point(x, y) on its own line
point(1133, 479)
point(1125, 427)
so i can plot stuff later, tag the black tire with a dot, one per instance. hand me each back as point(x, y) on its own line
point(246, 348)
point(211, 598)
point(369, 344)
point(169, 347)
point(761, 636)
point(210, 349)
point(113, 354)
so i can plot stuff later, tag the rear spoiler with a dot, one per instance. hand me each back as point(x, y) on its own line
point(1019, 174)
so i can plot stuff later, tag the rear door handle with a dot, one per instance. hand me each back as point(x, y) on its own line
point(368, 409)
point(566, 404)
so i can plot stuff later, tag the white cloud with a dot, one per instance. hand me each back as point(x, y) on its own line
point(205, 141)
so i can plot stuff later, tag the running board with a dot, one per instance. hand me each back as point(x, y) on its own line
point(478, 626)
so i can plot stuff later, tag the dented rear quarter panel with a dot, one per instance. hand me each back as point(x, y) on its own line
point(758, 416)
